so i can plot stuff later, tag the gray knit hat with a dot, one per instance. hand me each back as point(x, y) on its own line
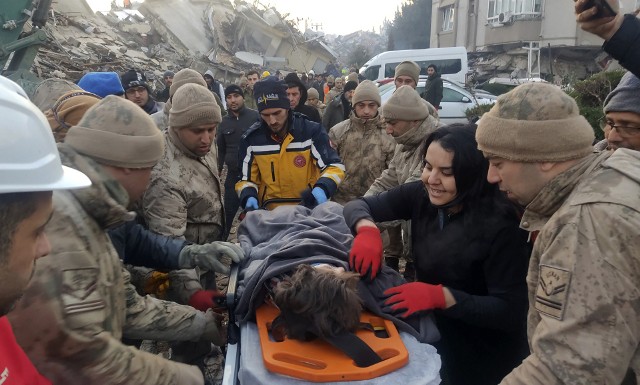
point(366, 90)
point(535, 122)
point(312, 93)
point(193, 105)
point(625, 97)
point(118, 133)
point(405, 104)
point(408, 68)
point(186, 76)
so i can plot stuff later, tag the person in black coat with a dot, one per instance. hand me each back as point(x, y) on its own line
point(297, 94)
point(471, 258)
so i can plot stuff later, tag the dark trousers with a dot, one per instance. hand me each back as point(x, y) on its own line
point(231, 201)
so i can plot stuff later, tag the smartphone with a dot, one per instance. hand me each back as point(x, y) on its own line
point(604, 8)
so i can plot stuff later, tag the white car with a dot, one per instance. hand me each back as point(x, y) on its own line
point(455, 99)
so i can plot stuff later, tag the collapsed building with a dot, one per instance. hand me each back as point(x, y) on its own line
point(161, 35)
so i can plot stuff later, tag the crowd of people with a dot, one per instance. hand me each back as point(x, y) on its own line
point(520, 233)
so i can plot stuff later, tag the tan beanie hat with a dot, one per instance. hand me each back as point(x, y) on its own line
point(193, 105)
point(535, 122)
point(352, 77)
point(68, 110)
point(366, 90)
point(405, 104)
point(186, 76)
point(312, 93)
point(118, 133)
point(408, 68)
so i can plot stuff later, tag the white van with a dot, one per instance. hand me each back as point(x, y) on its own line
point(451, 62)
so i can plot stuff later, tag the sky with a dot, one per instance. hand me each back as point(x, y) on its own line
point(338, 17)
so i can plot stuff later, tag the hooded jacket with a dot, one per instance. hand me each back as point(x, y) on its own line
point(312, 113)
point(80, 302)
point(584, 275)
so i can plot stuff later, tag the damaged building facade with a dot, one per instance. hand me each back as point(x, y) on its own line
point(161, 35)
point(521, 38)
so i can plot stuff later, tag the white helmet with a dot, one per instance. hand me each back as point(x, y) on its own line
point(311, 72)
point(29, 159)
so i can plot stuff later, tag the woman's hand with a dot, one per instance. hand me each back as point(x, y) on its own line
point(416, 296)
point(365, 256)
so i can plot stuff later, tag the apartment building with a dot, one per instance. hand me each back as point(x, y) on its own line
point(520, 38)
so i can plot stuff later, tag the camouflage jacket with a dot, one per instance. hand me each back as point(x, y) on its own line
point(365, 150)
point(80, 302)
point(584, 275)
point(161, 118)
point(184, 197)
point(406, 164)
point(249, 100)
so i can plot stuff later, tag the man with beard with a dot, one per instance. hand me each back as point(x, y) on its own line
point(136, 89)
point(297, 94)
point(621, 124)
point(285, 153)
point(30, 169)
point(231, 129)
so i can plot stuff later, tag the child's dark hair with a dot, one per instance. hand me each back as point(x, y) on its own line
point(318, 301)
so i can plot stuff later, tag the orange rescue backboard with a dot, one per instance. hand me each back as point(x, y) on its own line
point(319, 361)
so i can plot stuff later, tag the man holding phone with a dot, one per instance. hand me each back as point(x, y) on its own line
point(620, 32)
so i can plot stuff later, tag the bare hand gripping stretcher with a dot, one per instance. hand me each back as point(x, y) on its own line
point(275, 243)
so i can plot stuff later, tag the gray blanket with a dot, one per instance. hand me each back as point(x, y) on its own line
point(277, 241)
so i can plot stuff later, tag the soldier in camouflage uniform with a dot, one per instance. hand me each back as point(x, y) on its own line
point(80, 302)
point(584, 273)
point(408, 121)
point(182, 77)
point(184, 198)
point(362, 144)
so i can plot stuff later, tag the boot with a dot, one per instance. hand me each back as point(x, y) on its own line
point(409, 272)
point(392, 262)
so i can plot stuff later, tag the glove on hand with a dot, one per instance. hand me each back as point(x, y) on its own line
point(215, 329)
point(252, 204)
point(209, 255)
point(204, 300)
point(365, 256)
point(319, 194)
point(414, 297)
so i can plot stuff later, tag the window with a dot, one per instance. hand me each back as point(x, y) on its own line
point(371, 73)
point(448, 17)
point(449, 95)
point(519, 9)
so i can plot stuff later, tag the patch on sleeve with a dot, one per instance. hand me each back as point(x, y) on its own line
point(79, 291)
point(552, 291)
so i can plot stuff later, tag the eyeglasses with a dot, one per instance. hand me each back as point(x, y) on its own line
point(625, 131)
point(136, 90)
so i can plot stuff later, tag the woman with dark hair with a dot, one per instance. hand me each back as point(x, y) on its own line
point(471, 258)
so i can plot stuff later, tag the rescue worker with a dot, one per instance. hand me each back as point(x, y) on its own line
point(583, 274)
point(407, 73)
point(30, 169)
point(184, 198)
point(408, 121)
point(362, 144)
point(303, 159)
point(136, 89)
point(249, 101)
point(182, 77)
point(231, 129)
point(80, 303)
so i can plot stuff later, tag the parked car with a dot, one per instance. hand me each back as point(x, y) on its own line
point(455, 99)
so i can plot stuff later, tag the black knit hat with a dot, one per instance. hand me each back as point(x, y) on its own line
point(133, 78)
point(233, 89)
point(271, 93)
point(351, 85)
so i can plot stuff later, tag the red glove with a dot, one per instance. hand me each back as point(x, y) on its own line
point(415, 297)
point(365, 256)
point(206, 299)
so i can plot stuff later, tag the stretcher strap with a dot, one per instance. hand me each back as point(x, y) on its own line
point(355, 348)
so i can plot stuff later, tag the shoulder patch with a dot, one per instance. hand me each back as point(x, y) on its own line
point(79, 290)
point(552, 291)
